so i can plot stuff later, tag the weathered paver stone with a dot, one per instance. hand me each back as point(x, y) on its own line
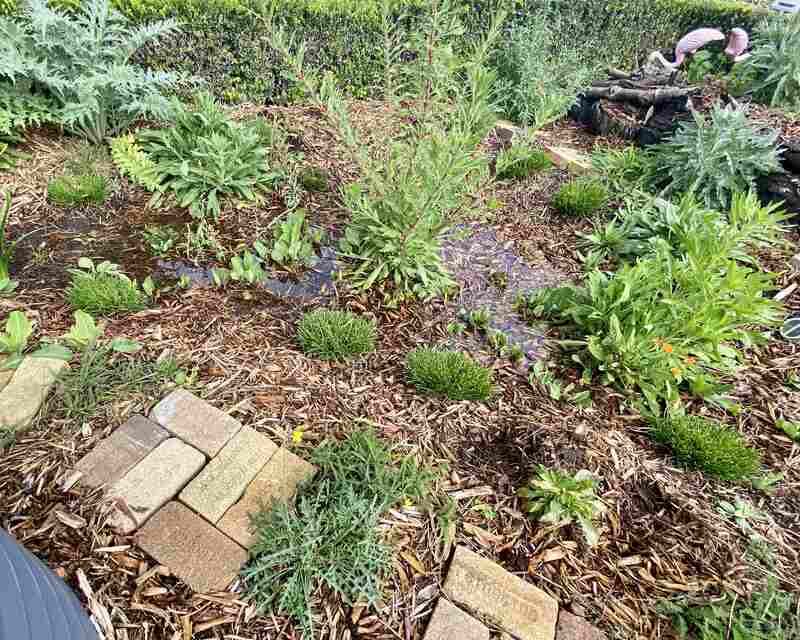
point(114, 456)
point(155, 480)
point(514, 605)
point(572, 627)
point(195, 421)
point(278, 480)
point(225, 478)
point(5, 377)
point(448, 622)
point(569, 159)
point(22, 397)
point(195, 551)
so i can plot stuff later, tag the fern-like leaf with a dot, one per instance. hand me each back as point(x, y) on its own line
point(134, 163)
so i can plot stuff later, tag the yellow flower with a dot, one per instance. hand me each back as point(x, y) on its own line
point(675, 371)
point(667, 347)
point(297, 436)
point(407, 503)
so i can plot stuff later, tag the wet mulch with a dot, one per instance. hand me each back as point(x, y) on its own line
point(662, 536)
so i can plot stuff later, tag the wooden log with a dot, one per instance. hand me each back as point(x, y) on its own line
point(642, 97)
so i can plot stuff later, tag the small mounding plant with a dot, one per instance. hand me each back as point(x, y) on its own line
point(331, 537)
point(314, 180)
point(700, 443)
point(448, 373)
point(103, 289)
point(72, 190)
point(713, 158)
point(581, 197)
point(561, 499)
point(521, 161)
point(336, 335)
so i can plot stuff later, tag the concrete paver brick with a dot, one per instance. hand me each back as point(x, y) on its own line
point(195, 551)
point(225, 479)
point(516, 606)
point(115, 455)
point(448, 622)
point(278, 480)
point(151, 483)
point(195, 421)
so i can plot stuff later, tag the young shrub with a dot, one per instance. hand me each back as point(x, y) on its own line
point(539, 73)
point(413, 188)
point(336, 335)
point(103, 289)
point(521, 161)
point(713, 158)
point(773, 68)
point(448, 373)
point(203, 157)
point(331, 538)
point(581, 197)
point(72, 190)
point(83, 59)
point(561, 499)
point(700, 443)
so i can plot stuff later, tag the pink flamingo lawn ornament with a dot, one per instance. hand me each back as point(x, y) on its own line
point(693, 41)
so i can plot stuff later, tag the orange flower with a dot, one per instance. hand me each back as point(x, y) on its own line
point(691, 360)
point(667, 347)
point(675, 371)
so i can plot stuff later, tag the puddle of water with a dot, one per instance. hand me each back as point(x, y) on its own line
point(491, 276)
point(314, 283)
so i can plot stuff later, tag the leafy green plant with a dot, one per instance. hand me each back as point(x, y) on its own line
point(83, 59)
point(478, 318)
point(72, 190)
point(160, 239)
point(673, 317)
point(520, 161)
point(331, 537)
point(448, 373)
point(103, 289)
point(742, 512)
point(336, 335)
point(713, 157)
point(19, 110)
point(203, 157)
point(561, 499)
point(705, 63)
point(769, 614)
point(14, 341)
point(622, 170)
point(292, 242)
point(791, 429)
point(539, 72)
point(773, 68)
point(581, 197)
point(412, 188)
point(700, 443)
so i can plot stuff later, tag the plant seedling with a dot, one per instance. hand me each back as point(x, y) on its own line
point(292, 246)
point(791, 429)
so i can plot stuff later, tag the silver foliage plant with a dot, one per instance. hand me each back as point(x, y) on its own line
point(714, 157)
point(83, 60)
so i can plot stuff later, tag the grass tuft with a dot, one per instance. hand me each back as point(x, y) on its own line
point(103, 294)
point(449, 373)
point(520, 162)
point(700, 443)
point(336, 335)
point(332, 537)
point(581, 197)
point(72, 190)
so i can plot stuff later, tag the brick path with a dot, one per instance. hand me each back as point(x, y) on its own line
point(186, 481)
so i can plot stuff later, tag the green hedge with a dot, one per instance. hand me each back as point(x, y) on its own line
point(225, 45)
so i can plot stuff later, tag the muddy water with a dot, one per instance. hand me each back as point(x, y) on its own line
point(491, 276)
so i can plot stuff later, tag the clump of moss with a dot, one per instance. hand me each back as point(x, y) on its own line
point(712, 447)
point(448, 373)
point(336, 335)
point(103, 294)
point(581, 197)
point(314, 180)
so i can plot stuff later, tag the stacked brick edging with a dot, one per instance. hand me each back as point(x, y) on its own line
point(188, 479)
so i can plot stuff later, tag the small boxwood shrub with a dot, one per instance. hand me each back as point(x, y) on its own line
point(581, 197)
point(448, 373)
point(104, 293)
point(712, 447)
point(72, 190)
point(336, 335)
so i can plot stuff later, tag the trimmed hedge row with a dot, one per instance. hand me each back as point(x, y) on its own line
point(224, 44)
